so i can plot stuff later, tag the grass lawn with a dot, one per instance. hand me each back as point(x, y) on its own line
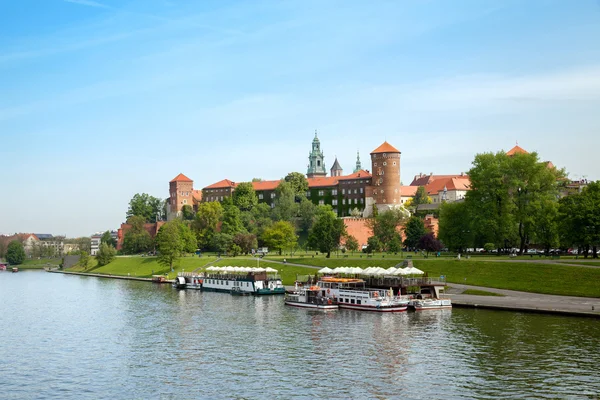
point(481, 293)
point(595, 263)
point(41, 263)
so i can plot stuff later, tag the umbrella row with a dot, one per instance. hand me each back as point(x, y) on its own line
point(240, 269)
point(372, 271)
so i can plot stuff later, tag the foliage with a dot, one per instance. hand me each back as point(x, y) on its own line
point(84, 259)
point(429, 243)
point(579, 218)
point(187, 212)
point(414, 231)
point(231, 222)
point(136, 239)
point(351, 243)
point(489, 247)
point(246, 242)
point(307, 211)
point(205, 223)
point(15, 253)
point(373, 244)
point(244, 196)
point(420, 197)
point(355, 213)
point(173, 240)
point(286, 208)
point(280, 235)
point(257, 220)
point(455, 226)
point(106, 253)
point(385, 227)
point(108, 239)
point(84, 244)
point(299, 184)
point(222, 242)
point(327, 231)
point(148, 207)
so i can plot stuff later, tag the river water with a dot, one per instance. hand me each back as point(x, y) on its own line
point(72, 337)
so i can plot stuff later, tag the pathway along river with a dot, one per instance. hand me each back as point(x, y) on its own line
point(73, 337)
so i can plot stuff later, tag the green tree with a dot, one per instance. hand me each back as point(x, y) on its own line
point(281, 235)
point(257, 220)
point(351, 243)
point(222, 242)
point(286, 208)
point(171, 242)
point(187, 212)
point(327, 231)
point(15, 253)
point(307, 211)
point(385, 227)
point(246, 242)
point(106, 253)
point(108, 239)
point(455, 226)
point(545, 229)
point(187, 237)
point(373, 244)
point(414, 230)
point(136, 239)
point(579, 219)
point(205, 224)
point(231, 222)
point(420, 197)
point(244, 196)
point(299, 184)
point(148, 207)
point(84, 259)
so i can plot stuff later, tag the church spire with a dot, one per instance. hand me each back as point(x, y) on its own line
point(358, 166)
point(316, 163)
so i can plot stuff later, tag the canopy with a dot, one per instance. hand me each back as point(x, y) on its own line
point(325, 270)
point(413, 271)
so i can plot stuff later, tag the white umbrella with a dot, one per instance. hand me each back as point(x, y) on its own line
point(357, 270)
point(211, 268)
point(269, 269)
point(413, 271)
point(325, 270)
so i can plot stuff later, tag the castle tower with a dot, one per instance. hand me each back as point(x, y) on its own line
point(180, 194)
point(316, 164)
point(358, 166)
point(385, 162)
point(336, 170)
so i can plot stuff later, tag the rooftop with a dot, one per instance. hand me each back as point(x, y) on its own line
point(385, 148)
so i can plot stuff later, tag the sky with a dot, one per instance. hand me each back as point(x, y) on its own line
point(103, 99)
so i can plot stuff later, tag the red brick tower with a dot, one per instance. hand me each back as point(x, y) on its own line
point(180, 194)
point(385, 162)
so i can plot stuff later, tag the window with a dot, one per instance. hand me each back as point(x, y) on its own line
point(334, 202)
point(381, 191)
point(321, 202)
point(354, 201)
point(343, 201)
point(347, 301)
point(385, 154)
point(318, 163)
point(343, 191)
point(321, 193)
point(260, 196)
point(273, 195)
point(334, 192)
point(374, 164)
point(221, 198)
point(355, 191)
point(362, 201)
point(384, 163)
point(352, 301)
point(361, 190)
point(335, 210)
point(184, 201)
point(358, 302)
point(307, 194)
point(394, 163)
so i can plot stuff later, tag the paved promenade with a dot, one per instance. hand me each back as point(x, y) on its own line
point(524, 301)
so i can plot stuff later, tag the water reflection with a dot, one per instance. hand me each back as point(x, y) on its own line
point(78, 337)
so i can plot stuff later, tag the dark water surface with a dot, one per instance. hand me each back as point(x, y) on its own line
point(71, 337)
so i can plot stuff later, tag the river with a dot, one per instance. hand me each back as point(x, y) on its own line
point(73, 337)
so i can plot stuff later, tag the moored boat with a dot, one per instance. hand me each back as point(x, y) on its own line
point(15, 269)
point(352, 294)
point(430, 304)
point(179, 283)
point(312, 297)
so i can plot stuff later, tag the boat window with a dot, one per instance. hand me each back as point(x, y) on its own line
point(347, 301)
point(352, 301)
point(227, 283)
point(358, 302)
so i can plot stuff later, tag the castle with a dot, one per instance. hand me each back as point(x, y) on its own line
point(354, 194)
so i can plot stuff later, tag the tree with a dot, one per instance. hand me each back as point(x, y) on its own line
point(257, 220)
point(187, 237)
point(429, 243)
point(106, 253)
point(222, 242)
point(579, 219)
point(148, 207)
point(108, 239)
point(136, 239)
point(84, 244)
point(169, 244)
point(455, 226)
point(286, 208)
point(385, 228)
point(15, 253)
point(84, 259)
point(245, 241)
point(280, 235)
point(187, 212)
point(420, 197)
point(327, 231)
point(244, 196)
point(231, 222)
point(351, 243)
point(307, 211)
point(545, 230)
point(414, 231)
point(373, 244)
point(205, 224)
point(355, 213)
point(299, 184)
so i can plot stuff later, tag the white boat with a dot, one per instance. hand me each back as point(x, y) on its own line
point(430, 304)
point(352, 294)
point(240, 283)
point(311, 297)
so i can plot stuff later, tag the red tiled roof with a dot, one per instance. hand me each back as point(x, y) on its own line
point(516, 150)
point(266, 185)
point(408, 190)
point(427, 179)
point(323, 181)
point(386, 148)
point(181, 178)
point(197, 195)
point(462, 183)
point(549, 164)
point(225, 183)
point(359, 174)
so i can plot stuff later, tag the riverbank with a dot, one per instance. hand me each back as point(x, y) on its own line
point(130, 278)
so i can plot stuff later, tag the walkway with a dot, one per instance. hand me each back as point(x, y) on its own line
point(524, 301)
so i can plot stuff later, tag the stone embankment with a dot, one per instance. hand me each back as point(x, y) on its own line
point(130, 278)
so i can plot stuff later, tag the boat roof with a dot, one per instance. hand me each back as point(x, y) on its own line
point(340, 280)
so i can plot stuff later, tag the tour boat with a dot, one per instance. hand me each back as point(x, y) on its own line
point(311, 297)
point(430, 304)
point(15, 269)
point(237, 291)
point(234, 280)
point(352, 294)
point(179, 283)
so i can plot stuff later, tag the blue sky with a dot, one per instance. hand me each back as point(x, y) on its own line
point(103, 99)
